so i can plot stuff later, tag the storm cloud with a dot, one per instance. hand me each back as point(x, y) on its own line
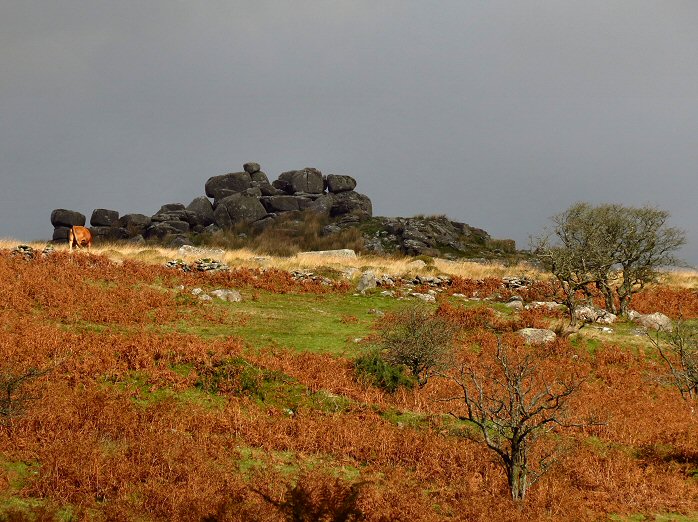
point(497, 113)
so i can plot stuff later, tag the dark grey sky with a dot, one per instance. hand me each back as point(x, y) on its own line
point(497, 113)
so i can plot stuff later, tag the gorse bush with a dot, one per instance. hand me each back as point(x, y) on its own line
point(373, 369)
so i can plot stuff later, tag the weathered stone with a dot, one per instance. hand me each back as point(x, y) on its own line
point(428, 298)
point(338, 184)
point(109, 233)
point(259, 177)
point(136, 224)
point(235, 182)
point(590, 314)
point(232, 296)
point(171, 215)
point(61, 217)
point(193, 250)
point(283, 203)
point(322, 205)
point(60, 234)
point(203, 209)
point(367, 281)
point(352, 203)
point(251, 167)
point(101, 217)
point(343, 252)
point(238, 209)
point(307, 180)
point(170, 207)
point(655, 321)
point(537, 335)
point(161, 229)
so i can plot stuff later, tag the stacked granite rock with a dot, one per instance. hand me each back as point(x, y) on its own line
point(238, 197)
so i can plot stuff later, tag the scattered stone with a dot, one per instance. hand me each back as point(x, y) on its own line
point(23, 250)
point(343, 252)
point(655, 321)
point(374, 311)
point(205, 297)
point(515, 304)
point(178, 264)
point(231, 296)
point(550, 305)
point(515, 283)
point(196, 291)
point(537, 335)
point(416, 264)
point(590, 314)
point(428, 298)
point(193, 250)
point(388, 293)
point(367, 281)
point(208, 265)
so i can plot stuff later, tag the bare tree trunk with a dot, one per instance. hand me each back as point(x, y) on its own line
point(517, 475)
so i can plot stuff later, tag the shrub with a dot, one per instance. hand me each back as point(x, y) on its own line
point(376, 371)
point(418, 339)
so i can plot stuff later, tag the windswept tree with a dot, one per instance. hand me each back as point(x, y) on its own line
point(678, 350)
point(514, 397)
point(613, 248)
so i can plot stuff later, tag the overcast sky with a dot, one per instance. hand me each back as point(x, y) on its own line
point(496, 113)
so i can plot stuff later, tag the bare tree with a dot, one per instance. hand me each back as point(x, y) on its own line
point(513, 402)
point(679, 351)
point(418, 339)
point(13, 398)
point(614, 248)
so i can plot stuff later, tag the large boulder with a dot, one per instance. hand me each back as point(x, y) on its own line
point(322, 205)
point(336, 183)
point(60, 234)
point(234, 182)
point(101, 217)
point(352, 203)
point(238, 208)
point(61, 217)
point(202, 209)
point(162, 229)
point(590, 314)
point(284, 203)
point(104, 233)
point(308, 180)
point(136, 224)
point(251, 167)
point(655, 321)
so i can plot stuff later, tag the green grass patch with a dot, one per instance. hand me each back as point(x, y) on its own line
point(325, 323)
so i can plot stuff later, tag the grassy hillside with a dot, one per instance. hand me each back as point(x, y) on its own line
point(147, 403)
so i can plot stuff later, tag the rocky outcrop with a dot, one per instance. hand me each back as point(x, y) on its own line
point(248, 197)
point(429, 235)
